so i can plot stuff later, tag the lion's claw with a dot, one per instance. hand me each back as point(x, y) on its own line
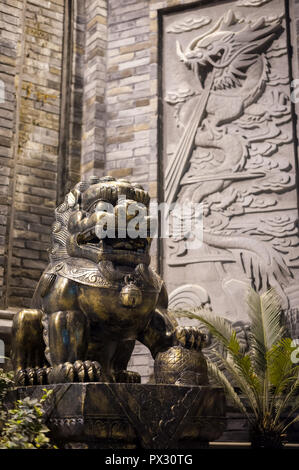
point(79, 371)
point(190, 337)
point(127, 376)
point(32, 376)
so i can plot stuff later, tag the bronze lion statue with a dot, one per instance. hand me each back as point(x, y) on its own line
point(98, 295)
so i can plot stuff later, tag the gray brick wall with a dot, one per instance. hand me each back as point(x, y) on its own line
point(41, 66)
point(35, 144)
point(29, 129)
point(11, 31)
point(94, 109)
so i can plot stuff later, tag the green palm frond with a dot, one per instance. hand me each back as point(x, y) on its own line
point(266, 328)
point(266, 331)
point(281, 367)
point(222, 380)
point(240, 366)
point(233, 344)
point(219, 327)
point(222, 330)
point(266, 375)
point(293, 421)
point(290, 400)
point(245, 364)
point(240, 380)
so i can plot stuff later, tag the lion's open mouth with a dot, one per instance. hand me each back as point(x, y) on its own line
point(138, 245)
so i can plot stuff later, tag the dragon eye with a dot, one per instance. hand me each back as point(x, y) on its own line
point(210, 47)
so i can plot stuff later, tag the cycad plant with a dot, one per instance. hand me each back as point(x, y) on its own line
point(265, 374)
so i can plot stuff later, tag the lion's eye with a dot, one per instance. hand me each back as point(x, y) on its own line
point(92, 208)
point(103, 206)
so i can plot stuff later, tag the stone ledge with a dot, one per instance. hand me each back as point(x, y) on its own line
point(8, 313)
point(6, 317)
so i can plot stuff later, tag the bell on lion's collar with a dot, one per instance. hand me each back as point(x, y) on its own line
point(130, 295)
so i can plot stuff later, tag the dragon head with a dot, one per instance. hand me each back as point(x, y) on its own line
point(230, 53)
point(207, 49)
point(104, 219)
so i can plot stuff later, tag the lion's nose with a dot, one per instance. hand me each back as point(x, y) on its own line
point(127, 210)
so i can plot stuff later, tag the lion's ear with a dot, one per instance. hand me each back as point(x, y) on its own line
point(73, 198)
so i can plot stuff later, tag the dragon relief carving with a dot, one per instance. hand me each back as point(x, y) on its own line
point(98, 295)
point(228, 157)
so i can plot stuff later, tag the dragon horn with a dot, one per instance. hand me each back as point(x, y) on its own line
point(217, 27)
point(180, 52)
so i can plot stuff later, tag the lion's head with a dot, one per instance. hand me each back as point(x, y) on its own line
point(97, 221)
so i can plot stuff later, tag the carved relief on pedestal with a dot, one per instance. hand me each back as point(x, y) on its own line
point(229, 144)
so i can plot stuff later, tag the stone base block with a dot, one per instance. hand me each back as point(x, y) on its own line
point(131, 416)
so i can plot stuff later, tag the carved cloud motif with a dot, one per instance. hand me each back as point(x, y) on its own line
point(188, 24)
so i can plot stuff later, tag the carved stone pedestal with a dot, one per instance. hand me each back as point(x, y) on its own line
point(130, 416)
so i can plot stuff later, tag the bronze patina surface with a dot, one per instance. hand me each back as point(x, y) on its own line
point(97, 296)
point(130, 416)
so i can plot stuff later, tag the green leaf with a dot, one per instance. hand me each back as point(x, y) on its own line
point(23, 426)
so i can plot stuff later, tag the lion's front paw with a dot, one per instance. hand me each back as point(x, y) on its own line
point(79, 371)
point(127, 376)
point(190, 337)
